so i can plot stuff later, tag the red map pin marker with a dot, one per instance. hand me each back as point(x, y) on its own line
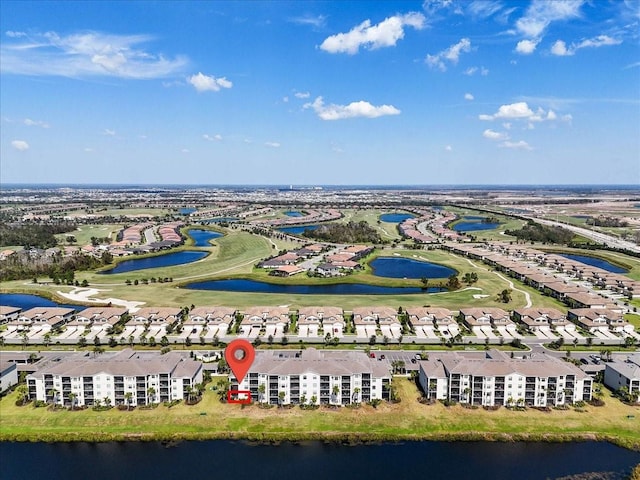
point(239, 354)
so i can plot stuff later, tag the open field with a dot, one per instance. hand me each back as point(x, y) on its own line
point(405, 420)
point(84, 233)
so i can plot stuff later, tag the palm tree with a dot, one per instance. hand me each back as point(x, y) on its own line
point(466, 392)
point(261, 391)
point(53, 393)
point(107, 401)
point(128, 396)
point(314, 399)
point(354, 396)
point(281, 396)
point(23, 392)
point(72, 399)
point(222, 386)
point(151, 393)
point(303, 399)
point(335, 391)
point(46, 339)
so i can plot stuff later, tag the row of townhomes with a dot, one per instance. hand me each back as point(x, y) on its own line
point(315, 377)
point(123, 378)
point(419, 324)
point(499, 380)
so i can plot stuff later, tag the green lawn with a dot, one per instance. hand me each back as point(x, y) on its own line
point(407, 419)
point(84, 233)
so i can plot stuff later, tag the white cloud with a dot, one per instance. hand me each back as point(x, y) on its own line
point(185, 150)
point(35, 123)
point(272, 144)
point(507, 125)
point(208, 83)
point(85, 54)
point(484, 8)
point(88, 150)
point(493, 135)
point(519, 145)
point(384, 34)
point(20, 145)
point(541, 13)
point(473, 70)
point(12, 34)
point(109, 133)
point(216, 138)
point(354, 109)
point(302, 94)
point(448, 148)
point(285, 99)
point(468, 96)
point(560, 48)
point(317, 21)
point(451, 54)
point(527, 47)
point(511, 111)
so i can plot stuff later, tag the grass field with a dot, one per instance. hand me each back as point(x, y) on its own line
point(84, 233)
point(405, 420)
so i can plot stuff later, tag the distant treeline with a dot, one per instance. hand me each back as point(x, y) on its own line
point(352, 232)
point(534, 232)
point(60, 269)
point(34, 235)
point(607, 222)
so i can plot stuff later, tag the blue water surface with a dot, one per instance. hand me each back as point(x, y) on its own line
point(27, 301)
point(315, 460)
point(252, 286)
point(398, 267)
point(298, 230)
point(201, 238)
point(166, 260)
point(395, 217)
point(473, 223)
point(595, 262)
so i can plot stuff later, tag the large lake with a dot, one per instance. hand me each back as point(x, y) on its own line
point(392, 267)
point(595, 262)
point(473, 223)
point(166, 260)
point(252, 286)
point(313, 460)
point(202, 238)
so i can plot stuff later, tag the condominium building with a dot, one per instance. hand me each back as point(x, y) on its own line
point(624, 374)
point(125, 377)
point(316, 376)
point(498, 379)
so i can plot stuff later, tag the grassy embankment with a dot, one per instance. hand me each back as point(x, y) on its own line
point(406, 420)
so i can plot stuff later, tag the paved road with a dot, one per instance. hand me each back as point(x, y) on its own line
point(608, 240)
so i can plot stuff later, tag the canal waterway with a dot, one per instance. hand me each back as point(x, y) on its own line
point(392, 267)
point(595, 262)
point(314, 460)
point(166, 260)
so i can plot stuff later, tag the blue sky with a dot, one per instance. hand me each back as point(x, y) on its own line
point(434, 92)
